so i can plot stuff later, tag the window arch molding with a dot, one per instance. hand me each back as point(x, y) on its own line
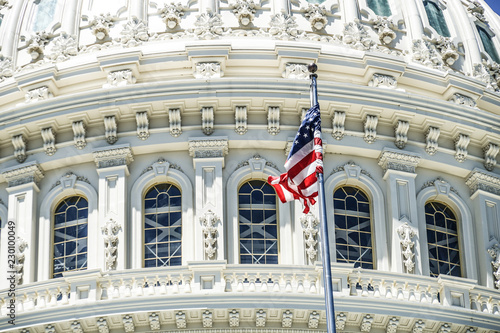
point(160, 172)
point(352, 175)
point(67, 186)
point(442, 192)
point(255, 168)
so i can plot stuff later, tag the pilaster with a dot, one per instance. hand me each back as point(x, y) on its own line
point(399, 174)
point(208, 160)
point(113, 172)
point(22, 210)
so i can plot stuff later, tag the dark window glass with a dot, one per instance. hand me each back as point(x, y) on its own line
point(488, 45)
point(379, 7)
point(436, 18)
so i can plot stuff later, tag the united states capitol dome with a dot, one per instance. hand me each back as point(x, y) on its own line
point(137, 137)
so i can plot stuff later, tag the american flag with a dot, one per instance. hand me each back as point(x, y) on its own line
point(304, 161)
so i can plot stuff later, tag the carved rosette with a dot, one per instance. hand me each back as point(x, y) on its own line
point(36, 45)
point(6, 69)
point(110, 234)
point(208, 221)
point(208, 25)
point(385, 29)
point(356, 36)
point(494, 252)
point(100, 26)
point(63, 47)
point(171, 14)
point(316, 15)
point(283, 26)
point(406, 233)
point(134, 32)
point(310, 226)
point(244, 11)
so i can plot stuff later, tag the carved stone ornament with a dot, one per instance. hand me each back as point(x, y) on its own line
point(370, 125)
point(180, 320)
point(461, 143)
point(208, 148)
point(100, 26)
point(310, 226)
point(419, 326)
point(36, 45)
point(481, 180)
point(260, 318)
point(392, 325)
point(154, 321)
point(21, 245)
point(6, 69)
point(392, 160)
point(120, 79)
point(110, 127)
point(174, 118)
point(234, 318)
point(273, 120)
point(356, 36)
point(283, 26)
point(63, 47)
point(50, 329)
point(37, 94)
point(477, 10)
point(401, 133)
point(79, 134)
point(287, 319)
point(49, 141)
point(102, 325)
point(385, 29)
point(316, 15)
point(340, 321)
point(106, 157)
point(244, 11)
point(5, 4)
point(489, 73)
point(207, 319)
point(27, 173)
point(490, 156)
point(76, 327)
point(445, 328)
point(142, 121)
point(425, 52)
point(240, 117)
point(296, 72)
point(19, 143)
point(462, 100)
point(208, 25)
point(406, 233)
point(313, 321)
point(448, 50)
point(209, 221)
point(171, 14)
point(431, 138)
point(134, 32)
point(383, 81)
point(366, 323)
point(207, 120)
point(338, 125)
point(110, 234)
point(208, 70)
point(494, 252)
point(128, 324)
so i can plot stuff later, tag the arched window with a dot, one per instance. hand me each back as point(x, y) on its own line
point(436, 18)
point(379, 7)
point(162, 226)
point(442, 240)
point(488, 45)
point(353, 231)
point(258, 226)
point(45, 12)
point(70, 235)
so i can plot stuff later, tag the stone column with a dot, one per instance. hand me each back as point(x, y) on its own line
point(209, 5)
point(350, 11)
point(485, 195)
point(69, 24)
point(12, 25)
point(138, 9)
point(22, 210)
point(208, 160)
point(113, 172)
point(399, 173)
point(412, 19)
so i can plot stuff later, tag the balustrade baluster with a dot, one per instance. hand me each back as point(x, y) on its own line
point(138, 283)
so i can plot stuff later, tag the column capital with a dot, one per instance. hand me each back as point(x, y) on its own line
point(24, 174)
point(208, 148)
point(483, 180)
point(391, 159)
point(110, 157)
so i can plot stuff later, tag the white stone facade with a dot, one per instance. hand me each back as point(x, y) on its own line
point(106, 99)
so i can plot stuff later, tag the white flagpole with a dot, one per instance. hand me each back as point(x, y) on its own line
point(325, 244)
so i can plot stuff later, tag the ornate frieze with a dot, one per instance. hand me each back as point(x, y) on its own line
point(490, 156)
point(406, 233)
point(154, 321)
point(287, 319)
point(366, 323)
point(401, 133)
point(310, 226)
point(494, 253)
point(283, 26)
point(234, 318)
point(476, 10)
point(21, 245)
point(208, 25)
point(110, 234)
point(128, 324)
point(462, 100)
point(63, 47)
point(338, 125)
point(260, 318)
point(392, 160)
point(37, 94)
point(419, 326)
point(273, 120)
point(208, 148)
point(207, 70)
point(207, 319)
point(102, 325)
point(383, 81)
point(207, 120)
point(36, 44)
point(461, 143)
point(110, 128)
point(6, 69)
point(134, 32)
point(392, 325)
point(340, 321)
point(431, 138)
point(30, 173)
point(49, 140)
point(142, 121)
point(480, 180)
point(244, 11)
point(296, 71)
point(76, 327)
point(100, 26)
point(120, 78)
point(106, 157)
point(425, 52)
point(180, 320)
point(174, 118)
point(240, 117)
point(208, 221)
point(79, 134)
point(171, 14)
point(316, 15)
point(19, 143)
point(385, 29)
point(370, 126)
point(313, 321)
point(356, 36)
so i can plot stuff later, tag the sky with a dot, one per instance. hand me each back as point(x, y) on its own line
point(495, 5)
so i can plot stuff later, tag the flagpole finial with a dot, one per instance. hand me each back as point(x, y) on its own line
point(312, 68)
